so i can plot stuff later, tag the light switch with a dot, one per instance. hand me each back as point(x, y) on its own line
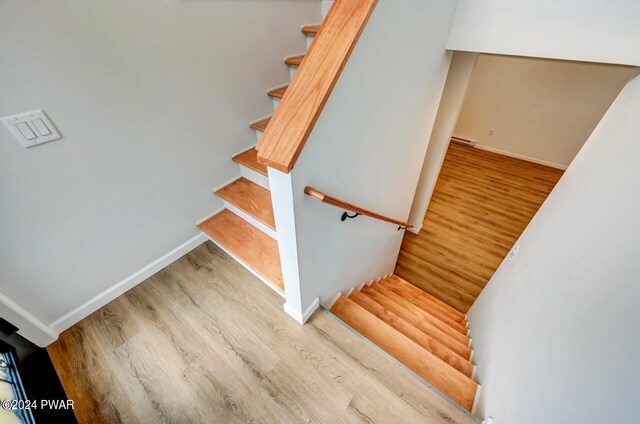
point(31, 128)
point(41, 127)
point(26, 131)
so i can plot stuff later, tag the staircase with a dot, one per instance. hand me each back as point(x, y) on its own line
point(426, 335)
point(423, 333)
point(246, 229)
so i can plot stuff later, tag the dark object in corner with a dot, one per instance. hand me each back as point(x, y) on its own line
point(37, 375)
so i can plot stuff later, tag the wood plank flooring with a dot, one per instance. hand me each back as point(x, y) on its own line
point(481, 204)
point(204, 341)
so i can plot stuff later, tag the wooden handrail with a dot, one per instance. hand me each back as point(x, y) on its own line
point(307, 94)
point(316, 194)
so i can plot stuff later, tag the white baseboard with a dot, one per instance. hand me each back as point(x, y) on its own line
point(476, 401)
point(522, 157)
point(302, 318)
point(30, 327)
point(255, 121)
point(277, 87)
point(208, 217)
point(231, 181)
point(98, 301)
point(245, 150)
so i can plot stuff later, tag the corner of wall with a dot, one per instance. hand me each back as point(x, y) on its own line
point(30, 327)
point(76, 315)
point(302, 317)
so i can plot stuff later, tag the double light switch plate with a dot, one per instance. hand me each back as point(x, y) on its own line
point(31, 128)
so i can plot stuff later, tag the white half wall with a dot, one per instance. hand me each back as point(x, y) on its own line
point(586, 30)
point(152, 99)
point(368, 146)
point(555, 332)
point(541, 110)
point(455, 89)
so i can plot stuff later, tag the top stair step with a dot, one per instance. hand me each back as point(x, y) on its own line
point(249, 159)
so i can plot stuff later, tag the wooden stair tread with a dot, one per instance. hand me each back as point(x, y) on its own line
point(250, 198)
point(418, 336)
point(453, 312)
point(261, 125)
point(250, 160)
point(445, 378)
point(311, 29)
point(421, 313)
point(244, 241)
point(460, 347)
point(278, 93)
point(424, 304)
point(294, 61)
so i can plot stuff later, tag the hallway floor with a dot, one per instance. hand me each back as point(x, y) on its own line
point(482, 202)
point(205, 341)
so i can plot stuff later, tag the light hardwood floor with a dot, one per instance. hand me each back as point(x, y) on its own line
point(204, 341)
point(481, 204)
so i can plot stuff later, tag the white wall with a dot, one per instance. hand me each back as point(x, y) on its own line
point(587, 30)
point(539, 109)
point(556, 331)
point(367, 147)
point(153, 98)
point(453, 95)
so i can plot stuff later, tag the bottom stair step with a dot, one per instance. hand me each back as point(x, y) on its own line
point(252, 247)
point(441, 375)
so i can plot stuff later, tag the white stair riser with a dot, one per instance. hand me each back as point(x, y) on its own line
point(254, 177)
point(258, 135)
point(251, 220)
point(310, 38)
point(276, 102)
point(292, 72)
